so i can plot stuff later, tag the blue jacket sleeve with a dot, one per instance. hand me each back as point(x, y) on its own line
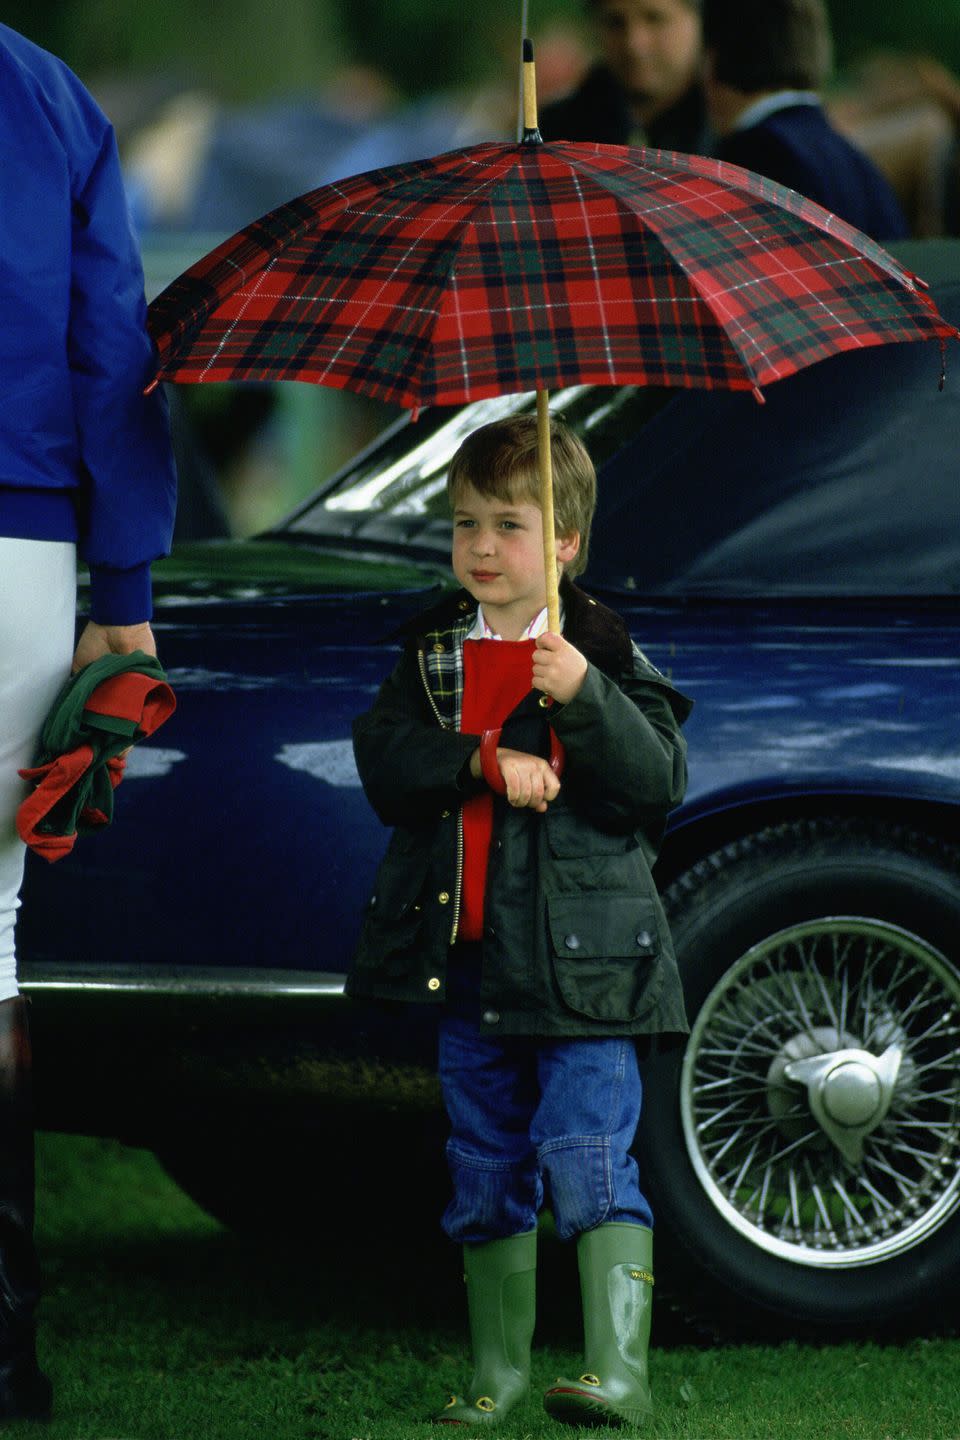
point(130, 480)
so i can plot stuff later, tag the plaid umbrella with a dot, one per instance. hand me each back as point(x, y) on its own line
point(531, 266)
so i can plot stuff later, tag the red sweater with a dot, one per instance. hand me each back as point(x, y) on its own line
point(497, 674)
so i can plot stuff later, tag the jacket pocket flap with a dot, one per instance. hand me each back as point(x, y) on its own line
point(605, 950)
point(597, 925)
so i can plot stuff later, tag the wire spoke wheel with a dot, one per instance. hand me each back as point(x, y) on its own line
point(820, 1092)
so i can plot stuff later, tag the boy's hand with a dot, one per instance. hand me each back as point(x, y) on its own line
point(558, 667)
point(530, 782)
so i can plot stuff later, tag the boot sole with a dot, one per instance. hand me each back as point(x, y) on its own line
point(580, 1407)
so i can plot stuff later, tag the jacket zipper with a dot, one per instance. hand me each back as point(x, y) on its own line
point(458, 888)
point(458, 885)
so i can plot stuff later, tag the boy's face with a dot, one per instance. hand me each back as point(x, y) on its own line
point(498, 557)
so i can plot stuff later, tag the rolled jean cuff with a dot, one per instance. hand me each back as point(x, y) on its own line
point(591, 1182)
point(492, 1199)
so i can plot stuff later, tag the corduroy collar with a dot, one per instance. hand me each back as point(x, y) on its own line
point(598, 633)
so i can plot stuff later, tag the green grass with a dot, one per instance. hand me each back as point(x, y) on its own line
point(158, 1325)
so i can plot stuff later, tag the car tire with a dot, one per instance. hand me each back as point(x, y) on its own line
point(801, 1147)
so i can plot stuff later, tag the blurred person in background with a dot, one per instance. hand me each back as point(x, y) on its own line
point(85, 461)
point(645, 88)
point(766, 61)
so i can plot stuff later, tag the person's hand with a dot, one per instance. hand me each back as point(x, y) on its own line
point(530, 782)
point(97, 640)
point(558, 667)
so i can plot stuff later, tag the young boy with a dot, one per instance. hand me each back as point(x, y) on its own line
point(530, 916)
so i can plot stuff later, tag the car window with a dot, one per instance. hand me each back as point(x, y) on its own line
point(401, 478)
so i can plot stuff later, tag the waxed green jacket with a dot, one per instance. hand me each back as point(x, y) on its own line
point(575, 939)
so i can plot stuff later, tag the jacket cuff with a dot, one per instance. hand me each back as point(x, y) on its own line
point(120, 597)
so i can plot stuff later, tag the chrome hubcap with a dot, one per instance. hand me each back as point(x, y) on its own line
point(849, 1093)
point(820, 1092)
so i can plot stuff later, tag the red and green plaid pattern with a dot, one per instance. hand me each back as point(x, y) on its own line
point(503, 268)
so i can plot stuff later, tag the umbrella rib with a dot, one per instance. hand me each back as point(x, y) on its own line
point(223, 255)
point(455, 310)
point(621, 204)
point(748, 365)
point(454, 291)
point(487, 181)
point(732, 323)
point(596, 274)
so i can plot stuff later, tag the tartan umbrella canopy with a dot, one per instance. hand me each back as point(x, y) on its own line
point(508, 267)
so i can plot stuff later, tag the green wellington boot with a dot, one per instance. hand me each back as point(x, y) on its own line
point(501, 1281)
point(616, 1284)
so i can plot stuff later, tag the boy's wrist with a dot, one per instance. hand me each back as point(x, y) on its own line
point(470, 779)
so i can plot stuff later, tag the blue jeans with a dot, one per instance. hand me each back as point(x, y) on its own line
point(528, 1114)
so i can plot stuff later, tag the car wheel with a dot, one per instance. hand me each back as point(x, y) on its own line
point(802, 1147)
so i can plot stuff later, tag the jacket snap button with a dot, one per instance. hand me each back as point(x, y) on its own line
point(644, 938)
point(572, 942)
point(438, 648)
point(444, 897)
point(545, 702)
point(433, 983)
point(490, 1017)
point(444, 814)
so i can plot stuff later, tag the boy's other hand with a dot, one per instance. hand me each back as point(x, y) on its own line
point(530, 782)
point(558, 667)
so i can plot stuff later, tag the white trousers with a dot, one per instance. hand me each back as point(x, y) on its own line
point(38, 580)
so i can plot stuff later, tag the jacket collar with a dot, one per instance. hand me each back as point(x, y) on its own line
point(601, 635)
point(597, 632)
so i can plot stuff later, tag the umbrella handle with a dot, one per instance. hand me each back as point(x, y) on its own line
point(489, 741)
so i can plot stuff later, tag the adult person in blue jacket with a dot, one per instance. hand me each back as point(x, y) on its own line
point(765, 62)
point(85, 465)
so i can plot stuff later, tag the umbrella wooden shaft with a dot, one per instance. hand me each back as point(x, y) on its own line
point(545, 468)
point(529, 88)
point(544, 456)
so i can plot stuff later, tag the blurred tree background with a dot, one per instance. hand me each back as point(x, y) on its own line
point(244, 49)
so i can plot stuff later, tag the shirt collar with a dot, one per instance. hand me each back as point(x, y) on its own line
point(768, 105)
point(481, 630)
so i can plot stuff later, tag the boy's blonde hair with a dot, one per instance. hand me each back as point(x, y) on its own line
point(500, 461)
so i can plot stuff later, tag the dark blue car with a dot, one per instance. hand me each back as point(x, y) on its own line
point(795, 567)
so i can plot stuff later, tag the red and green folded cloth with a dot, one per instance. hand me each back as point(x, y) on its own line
point(101, 711)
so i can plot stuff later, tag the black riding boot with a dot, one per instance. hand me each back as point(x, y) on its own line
point(25, 1392)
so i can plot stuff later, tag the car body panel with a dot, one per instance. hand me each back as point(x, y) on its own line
point(259, 849)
